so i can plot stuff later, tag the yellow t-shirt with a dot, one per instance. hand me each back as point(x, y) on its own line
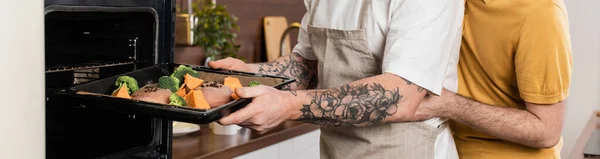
point(513, 51)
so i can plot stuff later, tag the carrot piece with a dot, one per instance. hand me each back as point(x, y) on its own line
point(192, 81)
point(182, 90)
point(200, 102)
point(235, 96)
point(189, 99)
point(196, 99)
point(122, 92)
point(233, 83)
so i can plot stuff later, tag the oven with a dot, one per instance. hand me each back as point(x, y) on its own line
point(87, 40)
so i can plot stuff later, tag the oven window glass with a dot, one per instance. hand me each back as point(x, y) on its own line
point(82, 46)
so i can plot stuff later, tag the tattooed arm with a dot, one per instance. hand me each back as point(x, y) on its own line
point(292, 66)
point(373, 100)
point(378, 99)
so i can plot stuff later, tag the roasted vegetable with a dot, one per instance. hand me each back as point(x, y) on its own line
point(196, 100)
point(122, 92)
point(182, 90)
point(170, 83)
point(192, 81)
point(233, 83)
point(130, 82)
point(182, 70)
point(177, 100)
point(253, 83)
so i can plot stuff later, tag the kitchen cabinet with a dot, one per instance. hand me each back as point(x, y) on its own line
point(288, 139)
point(305, 146)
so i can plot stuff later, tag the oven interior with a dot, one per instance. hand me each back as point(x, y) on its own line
point(88, 43)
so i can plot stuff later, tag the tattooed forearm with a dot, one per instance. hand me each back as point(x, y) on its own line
point(419, 88)
point(293, 92)
point(351, 105)
point(293, 66)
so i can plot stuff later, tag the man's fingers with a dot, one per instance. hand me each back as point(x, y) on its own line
point(251, 92)
point(246, 123)
point(224, 63)
point(213, 64)
point(239, 116)
point(260, 129)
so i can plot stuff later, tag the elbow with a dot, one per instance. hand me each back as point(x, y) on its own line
point(547, 142)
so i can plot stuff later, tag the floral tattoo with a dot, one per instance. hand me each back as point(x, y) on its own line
point(294, 67)
point(358, 105)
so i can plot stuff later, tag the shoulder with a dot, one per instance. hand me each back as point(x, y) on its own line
point(425, 6)
point(547, 10)
point(551, 15)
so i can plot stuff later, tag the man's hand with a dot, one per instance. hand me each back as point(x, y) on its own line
point(292, 66)
point(231, 64)
point(269, 108)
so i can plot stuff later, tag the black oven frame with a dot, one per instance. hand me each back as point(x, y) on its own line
point(164, 12)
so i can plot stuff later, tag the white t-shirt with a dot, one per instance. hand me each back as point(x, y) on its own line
point(418, 40)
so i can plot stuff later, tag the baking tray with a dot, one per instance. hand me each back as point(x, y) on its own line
point(96, 94)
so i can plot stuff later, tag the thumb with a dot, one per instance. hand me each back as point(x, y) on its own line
point(251, 92)
point(223, 63)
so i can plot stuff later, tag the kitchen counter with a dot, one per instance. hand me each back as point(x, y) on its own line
point(204, 144)
point(592, 125)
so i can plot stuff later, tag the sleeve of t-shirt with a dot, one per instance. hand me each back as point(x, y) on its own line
point(304, 48)
point(543, 56)
point(422, 35)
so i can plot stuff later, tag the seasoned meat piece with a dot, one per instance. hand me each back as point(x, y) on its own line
point(215, 94)
point(151, 93)
point(212, 84)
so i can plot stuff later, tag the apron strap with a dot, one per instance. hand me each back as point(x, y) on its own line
point(361, 17)
point(363, 13)
point(314, 10)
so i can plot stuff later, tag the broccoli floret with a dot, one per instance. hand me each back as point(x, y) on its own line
point(132, 84)
point(177, 100)
point(254, 83)
point(182, 70)
point(177, 82)
point(170, 83)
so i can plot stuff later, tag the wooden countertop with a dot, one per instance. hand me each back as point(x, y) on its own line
point(204, 144)
point(592, 125)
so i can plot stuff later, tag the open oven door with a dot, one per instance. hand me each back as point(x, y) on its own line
point(92, 40)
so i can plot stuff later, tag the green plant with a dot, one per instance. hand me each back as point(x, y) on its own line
point(214, 30)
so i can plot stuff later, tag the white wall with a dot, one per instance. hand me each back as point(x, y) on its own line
point(22, 70)
point(584, 20)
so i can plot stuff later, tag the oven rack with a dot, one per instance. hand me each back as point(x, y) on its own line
point(87, 66)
